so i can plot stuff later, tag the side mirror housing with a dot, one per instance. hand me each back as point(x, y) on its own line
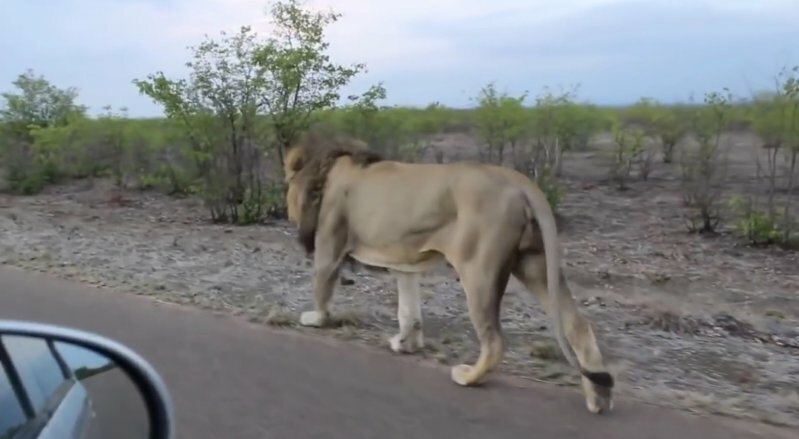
point(60, 382)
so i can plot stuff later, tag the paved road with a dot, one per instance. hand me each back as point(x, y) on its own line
point(231, 379)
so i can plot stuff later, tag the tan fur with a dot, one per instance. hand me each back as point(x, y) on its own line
point(489, 222)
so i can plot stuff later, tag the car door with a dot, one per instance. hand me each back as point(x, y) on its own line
point(55, 403)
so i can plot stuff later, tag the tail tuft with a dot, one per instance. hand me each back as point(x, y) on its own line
point(603, 379)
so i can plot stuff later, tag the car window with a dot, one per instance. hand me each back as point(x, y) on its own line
point(38, 369)
point(12, 417)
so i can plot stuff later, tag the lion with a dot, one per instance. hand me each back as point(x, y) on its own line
point(487, 221)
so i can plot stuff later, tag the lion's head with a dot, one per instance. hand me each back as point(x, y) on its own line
point(306, 166)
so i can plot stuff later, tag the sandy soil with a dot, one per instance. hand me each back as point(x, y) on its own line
point(699, 323)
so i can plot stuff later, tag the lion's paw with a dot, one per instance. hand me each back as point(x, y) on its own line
point(598, 399)
point(314, 319)
point(599, 405)
point(461, 374)
point(409, 345)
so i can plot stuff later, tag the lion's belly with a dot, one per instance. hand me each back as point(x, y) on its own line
point(416, 263)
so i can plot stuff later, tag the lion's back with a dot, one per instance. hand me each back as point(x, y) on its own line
point(425, 195)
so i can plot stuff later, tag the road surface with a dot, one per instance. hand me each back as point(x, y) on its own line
point(232, 379)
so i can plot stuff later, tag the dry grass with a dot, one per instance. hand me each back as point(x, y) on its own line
point(545, 350)
point(283, 317)
point(346, 318)
point(670, 321)
point(775, 314)
point(280, 317)
point(736, 407)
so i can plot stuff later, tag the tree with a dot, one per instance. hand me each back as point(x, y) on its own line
point(300, 78)
point(217, 109)
point(790, 90)
point(560, 125)
point(286, 78)
point(704, 169)
point(38, 103)
point(775, 118)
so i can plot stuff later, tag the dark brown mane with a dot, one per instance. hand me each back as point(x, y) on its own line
point(318, 155)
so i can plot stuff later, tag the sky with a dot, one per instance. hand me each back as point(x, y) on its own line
point(424, 50)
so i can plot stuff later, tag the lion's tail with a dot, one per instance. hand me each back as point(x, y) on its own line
point(543, 214)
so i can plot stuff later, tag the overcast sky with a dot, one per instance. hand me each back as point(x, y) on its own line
point(424, 50)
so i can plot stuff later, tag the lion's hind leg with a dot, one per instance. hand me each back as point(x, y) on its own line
point(409, 313)
point(484, 291)
point(597, 382)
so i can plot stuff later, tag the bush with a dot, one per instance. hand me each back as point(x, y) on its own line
point(775, 118)
point(756, 226)
point(628, 147)
point(554, 195)
point(37, 105)
point(704, 168)
point(500, 121)
point(660, 122)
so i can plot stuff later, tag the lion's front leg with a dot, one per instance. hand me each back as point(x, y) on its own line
point(328, 257)
point(409, 314)
point(324, 282)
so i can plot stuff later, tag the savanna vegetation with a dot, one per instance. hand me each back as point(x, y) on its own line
point(247, 97)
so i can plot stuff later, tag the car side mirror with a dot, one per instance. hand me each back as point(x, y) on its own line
point(67, 383)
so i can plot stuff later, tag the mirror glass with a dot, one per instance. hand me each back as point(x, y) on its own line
point(52, 389)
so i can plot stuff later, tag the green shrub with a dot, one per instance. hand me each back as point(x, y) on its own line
point(753, 224)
